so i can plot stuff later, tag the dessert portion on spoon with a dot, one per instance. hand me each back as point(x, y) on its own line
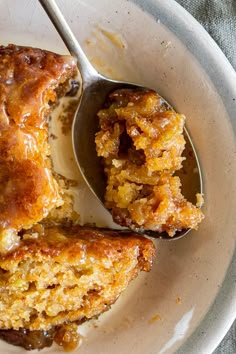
point(141, 140)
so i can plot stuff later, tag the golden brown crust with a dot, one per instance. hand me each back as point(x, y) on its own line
point(29, 78)
point(27, 82)
point(69, 274)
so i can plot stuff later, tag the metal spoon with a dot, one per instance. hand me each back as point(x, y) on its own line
point(95, 89)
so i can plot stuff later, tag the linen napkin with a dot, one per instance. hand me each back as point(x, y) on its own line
point(218, 17)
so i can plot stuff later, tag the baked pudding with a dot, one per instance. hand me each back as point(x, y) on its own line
point(141, 142)
point(60, 275)
point(53, 275)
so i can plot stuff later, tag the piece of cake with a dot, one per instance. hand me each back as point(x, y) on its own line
point(30, 82)
point(61, 275)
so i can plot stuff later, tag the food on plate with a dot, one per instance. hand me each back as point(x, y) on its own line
point(54, 274)
point(64, 274)
point(31, 80)
point(141, 141)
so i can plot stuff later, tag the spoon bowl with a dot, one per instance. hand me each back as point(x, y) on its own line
point(84, 130)
point(95, 89)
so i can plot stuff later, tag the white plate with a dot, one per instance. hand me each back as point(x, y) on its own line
point(166, 49)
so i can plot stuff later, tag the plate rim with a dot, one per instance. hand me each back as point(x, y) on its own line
point(191, 33)
point(214, 327)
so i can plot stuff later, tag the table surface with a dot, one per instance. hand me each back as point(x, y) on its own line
point(218, 17)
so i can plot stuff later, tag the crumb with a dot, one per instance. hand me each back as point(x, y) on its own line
point(53, 136)
point(200, 200)
point(178, 300)
point(154, 319)
point(66, 183)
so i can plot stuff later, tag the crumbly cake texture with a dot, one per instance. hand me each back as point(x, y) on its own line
point(70, 274)
point(141, 142)
point(30, 81)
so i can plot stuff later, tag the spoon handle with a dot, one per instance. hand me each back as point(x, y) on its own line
point(62, 27)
